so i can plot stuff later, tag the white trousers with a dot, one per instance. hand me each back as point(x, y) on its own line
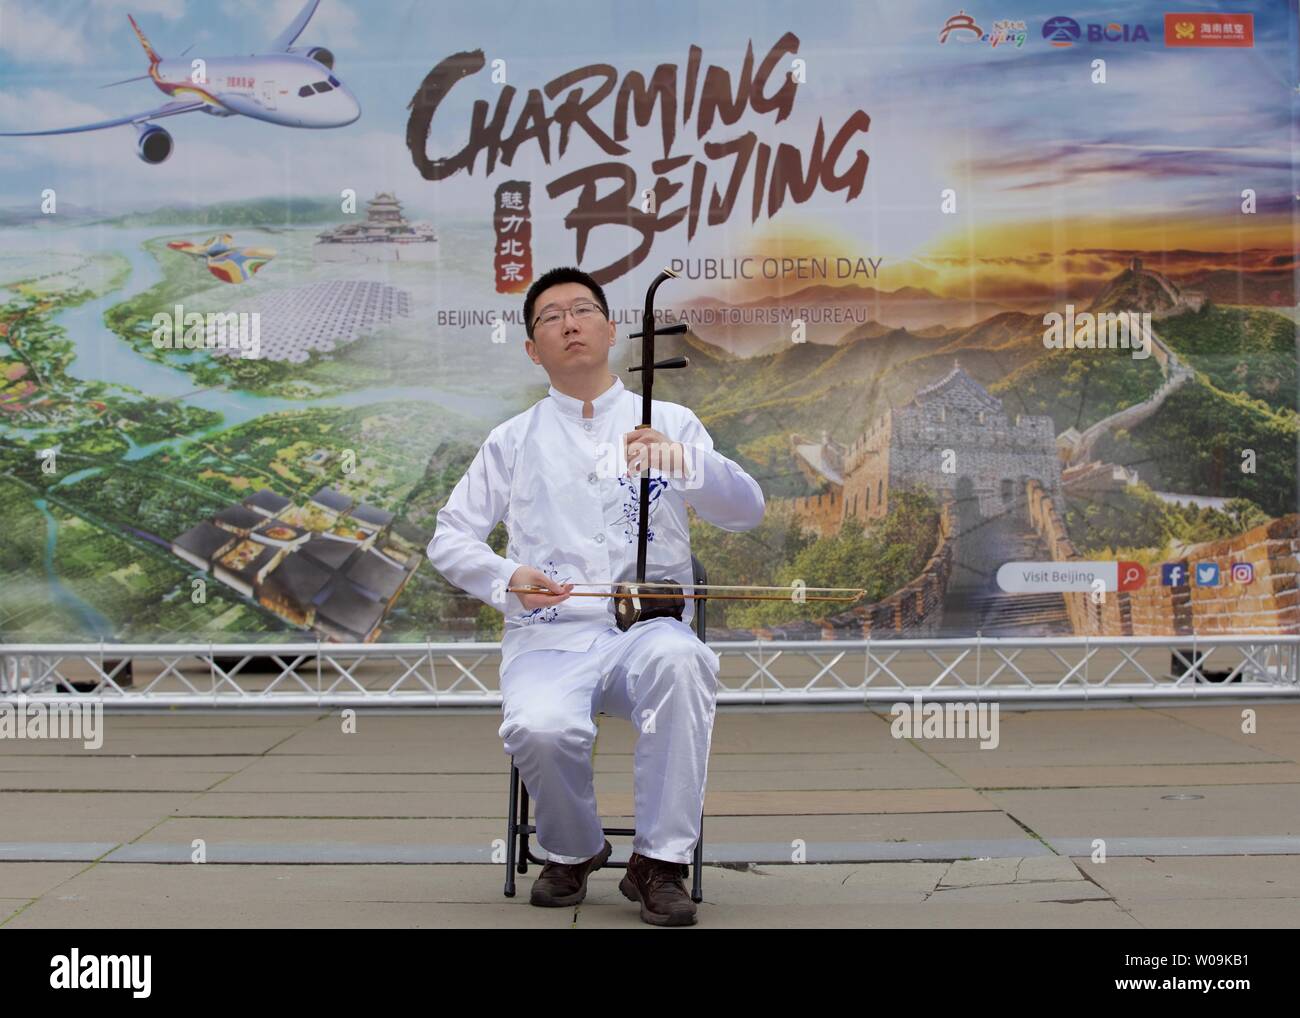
point(659, 676)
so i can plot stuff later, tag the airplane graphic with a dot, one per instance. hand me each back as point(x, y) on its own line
point(227, 262)
point(290, 86)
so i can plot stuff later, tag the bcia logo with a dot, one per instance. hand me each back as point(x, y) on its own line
point(1063, 32)
point(102, 972)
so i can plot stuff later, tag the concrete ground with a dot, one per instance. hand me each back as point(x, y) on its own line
point(394, 825)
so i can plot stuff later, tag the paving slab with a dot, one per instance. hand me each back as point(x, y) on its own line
point(1065, 891)
point(1114, 812)
point(88, 762)
point(107, 778)
point(610, 776)
point(974, 872)
point(160, 741)
point(1278, 913)
point(32, 879)
point(1190, 878)
point(1000, 776)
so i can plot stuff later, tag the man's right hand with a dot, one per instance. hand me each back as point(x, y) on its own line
point(527, 576)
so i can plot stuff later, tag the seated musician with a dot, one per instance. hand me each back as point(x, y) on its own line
point(565, 476)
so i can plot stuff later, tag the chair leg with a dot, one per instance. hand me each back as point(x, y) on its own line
point(511, 825)
point(697, 889)
point(523, 827)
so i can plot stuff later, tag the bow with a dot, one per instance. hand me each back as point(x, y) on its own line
point(796, 592)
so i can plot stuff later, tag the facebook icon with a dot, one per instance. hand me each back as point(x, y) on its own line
point(1173, 574)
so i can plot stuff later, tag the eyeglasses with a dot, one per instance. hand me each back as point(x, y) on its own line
point(582, 310)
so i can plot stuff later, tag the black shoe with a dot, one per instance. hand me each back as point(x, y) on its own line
point(657, 885)
point(562, 883)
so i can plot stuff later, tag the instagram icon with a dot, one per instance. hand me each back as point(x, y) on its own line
point(1242, 572)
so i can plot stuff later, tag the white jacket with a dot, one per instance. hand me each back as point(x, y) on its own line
point(555, 478)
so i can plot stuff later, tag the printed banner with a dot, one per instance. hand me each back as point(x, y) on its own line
point(998, 303)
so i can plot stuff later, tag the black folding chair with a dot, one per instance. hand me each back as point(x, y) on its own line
point(518, 853)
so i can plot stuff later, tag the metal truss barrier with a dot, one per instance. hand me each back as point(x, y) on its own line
point(1069, 669)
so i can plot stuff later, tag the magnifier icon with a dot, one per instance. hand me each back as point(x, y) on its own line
point(1131, 575)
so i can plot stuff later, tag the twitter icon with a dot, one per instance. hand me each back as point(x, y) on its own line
point(1207, 574)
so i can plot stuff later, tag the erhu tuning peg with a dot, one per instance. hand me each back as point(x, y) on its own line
point(668, 330)
point(671, 362)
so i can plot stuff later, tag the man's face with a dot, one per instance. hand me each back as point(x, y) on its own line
point(574, 344)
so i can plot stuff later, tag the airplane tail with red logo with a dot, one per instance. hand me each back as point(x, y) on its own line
point(150, 52)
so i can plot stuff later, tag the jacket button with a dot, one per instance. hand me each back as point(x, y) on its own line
point(587, 426)
point(600, 538)
point(591, 478)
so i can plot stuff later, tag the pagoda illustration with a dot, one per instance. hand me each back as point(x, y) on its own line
point(383, 236)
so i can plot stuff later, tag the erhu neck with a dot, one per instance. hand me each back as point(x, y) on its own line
point(647, 382)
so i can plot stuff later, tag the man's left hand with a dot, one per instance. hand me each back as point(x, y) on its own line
point(648, 448)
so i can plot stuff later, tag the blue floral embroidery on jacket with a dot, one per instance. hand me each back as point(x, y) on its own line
point(547, 613)
point(630, 518)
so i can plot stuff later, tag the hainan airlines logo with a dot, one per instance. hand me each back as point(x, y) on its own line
point(1195, 29)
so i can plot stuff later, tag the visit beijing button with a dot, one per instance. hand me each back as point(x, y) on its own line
point(1040, 577)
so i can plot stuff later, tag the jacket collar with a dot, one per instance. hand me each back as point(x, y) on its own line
point(571, 407)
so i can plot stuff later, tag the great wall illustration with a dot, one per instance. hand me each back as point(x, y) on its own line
point(1004, 502)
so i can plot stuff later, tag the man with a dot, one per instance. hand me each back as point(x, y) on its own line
point(555, 474)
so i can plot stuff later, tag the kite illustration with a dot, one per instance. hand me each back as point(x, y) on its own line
point(228, 263)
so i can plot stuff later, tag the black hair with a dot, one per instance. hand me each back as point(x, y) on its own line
point(563, 274)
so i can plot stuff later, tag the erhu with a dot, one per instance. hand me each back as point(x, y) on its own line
point(634, 602)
